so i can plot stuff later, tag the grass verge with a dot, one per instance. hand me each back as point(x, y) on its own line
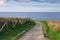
point(48, 30)
point(14, 33)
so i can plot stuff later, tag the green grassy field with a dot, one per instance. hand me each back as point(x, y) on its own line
point(48, 30)
point(13, 33)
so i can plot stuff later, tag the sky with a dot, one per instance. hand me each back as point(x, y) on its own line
point(29, 5)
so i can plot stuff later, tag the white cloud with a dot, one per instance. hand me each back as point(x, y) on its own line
point(30, 7)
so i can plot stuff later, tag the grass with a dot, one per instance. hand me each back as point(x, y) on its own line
point(10, 33)
point(52, 35)
point(45, 28)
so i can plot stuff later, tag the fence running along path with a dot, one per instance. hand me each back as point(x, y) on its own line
point(3, 26)
point(13, 21)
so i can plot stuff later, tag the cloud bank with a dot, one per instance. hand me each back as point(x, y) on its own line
point(30, 6)
point(28, 9)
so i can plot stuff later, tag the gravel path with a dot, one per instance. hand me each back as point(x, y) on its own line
point(34, 34)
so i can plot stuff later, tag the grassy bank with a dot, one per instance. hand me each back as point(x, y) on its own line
point(13, 33)
point(48, 31)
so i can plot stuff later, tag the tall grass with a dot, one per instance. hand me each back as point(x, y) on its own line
point(52, 35)
point(10, 32)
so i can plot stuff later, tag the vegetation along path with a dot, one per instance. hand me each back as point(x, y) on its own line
point(35, 33)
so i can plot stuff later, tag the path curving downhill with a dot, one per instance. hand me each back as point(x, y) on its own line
point(35, 33)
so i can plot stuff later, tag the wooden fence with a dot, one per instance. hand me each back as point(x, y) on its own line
point(13, 21)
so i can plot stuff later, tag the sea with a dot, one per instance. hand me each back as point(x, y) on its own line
point(34, 15)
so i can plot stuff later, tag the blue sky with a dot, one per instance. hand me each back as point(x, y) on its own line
point(49, 1)
point(30, 6)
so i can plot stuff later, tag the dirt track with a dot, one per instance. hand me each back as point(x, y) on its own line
point(35, 33)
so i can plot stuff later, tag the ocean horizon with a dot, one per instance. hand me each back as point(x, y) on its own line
point(35, 15)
